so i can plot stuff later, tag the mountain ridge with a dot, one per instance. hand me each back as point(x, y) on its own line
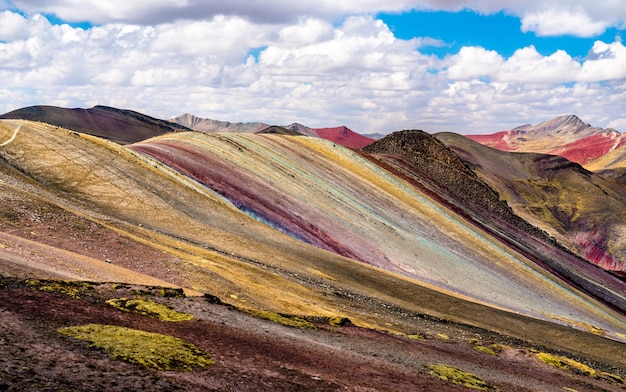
point(119, 125)
point(340, 134)
point(264, 230)
point(567, 136)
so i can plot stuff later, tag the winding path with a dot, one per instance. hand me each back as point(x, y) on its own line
point(12, 136)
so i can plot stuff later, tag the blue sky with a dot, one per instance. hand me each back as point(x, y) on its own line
point(376, 66)
point(499, 31)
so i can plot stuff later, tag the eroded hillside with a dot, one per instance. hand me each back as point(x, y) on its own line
point(276, 225)
point(583, 210)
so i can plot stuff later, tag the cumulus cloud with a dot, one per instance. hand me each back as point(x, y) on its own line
point(528, 66)
point(604, 62)
point(562, 21)
point(473, 62)
point(305, 68)
point(14, 26)
point(575, 17)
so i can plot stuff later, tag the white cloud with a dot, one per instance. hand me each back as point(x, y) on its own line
point(306, 32)
point(561, 21)
point(355, 73)
point(604, 62)
point(14, 26)
point(575, 17)
point(473, 62)
point(221, 36)
point(527, 65)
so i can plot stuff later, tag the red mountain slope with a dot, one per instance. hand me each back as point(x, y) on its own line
point(566, 136)
point(582, 209)
point(344, 136)
point(340, 135)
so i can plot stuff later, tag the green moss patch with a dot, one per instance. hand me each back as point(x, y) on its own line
point(493, 349)
point(150, 350)
point(338, 321)
point(612, 378)
point(284, 319)
point(571, 365)
point(566, 363)
point(459, 377)
point(149, 308)
point(72, 289)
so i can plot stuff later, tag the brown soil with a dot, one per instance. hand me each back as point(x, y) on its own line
point(251, 354)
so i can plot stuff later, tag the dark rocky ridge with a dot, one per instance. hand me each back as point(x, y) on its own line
point(451, 176)
point(428, 164)
point(118, 125)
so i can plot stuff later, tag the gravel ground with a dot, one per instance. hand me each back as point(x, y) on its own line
point(251, 354)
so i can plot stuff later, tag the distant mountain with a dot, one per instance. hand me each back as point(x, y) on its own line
point(344, 136)
point(214, 126)
point(402, 261)
point(301, 129)
point(583, 210)
point(340, 135)
point(120, 126)
point(566, 136)
point(375, 136)
point(276, 130)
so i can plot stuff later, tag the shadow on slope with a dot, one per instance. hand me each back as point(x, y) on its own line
point(253, 354)
point(584, 210)
point(120, 126)
point(214, 248)
point(430, 165)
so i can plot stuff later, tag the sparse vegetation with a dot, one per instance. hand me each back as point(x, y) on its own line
point(284, 319)
point(459, 377)
point(565, 363)
point(612, 378)
point(493, 349)
point(338, 321)
point(149, 308)
point(150, 350)
point(571, 365)
point(70, 288)
point(169, 292)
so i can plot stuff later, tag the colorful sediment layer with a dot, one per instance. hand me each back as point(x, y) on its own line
point(335, 199)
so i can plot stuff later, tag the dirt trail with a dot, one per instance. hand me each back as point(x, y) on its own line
point(12, 136)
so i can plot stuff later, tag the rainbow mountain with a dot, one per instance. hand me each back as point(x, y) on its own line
point(410, 236)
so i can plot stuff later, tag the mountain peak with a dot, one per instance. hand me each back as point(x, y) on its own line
point(567, 136)
point(208, 125)
point(569, 123)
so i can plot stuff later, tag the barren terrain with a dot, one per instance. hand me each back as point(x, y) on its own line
point(304, 266)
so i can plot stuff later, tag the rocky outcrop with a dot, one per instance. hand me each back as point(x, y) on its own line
point(451, 176)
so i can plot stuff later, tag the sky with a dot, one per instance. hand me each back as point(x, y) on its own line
point(375, 66)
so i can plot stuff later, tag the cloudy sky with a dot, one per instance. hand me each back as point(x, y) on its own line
point(467, 66)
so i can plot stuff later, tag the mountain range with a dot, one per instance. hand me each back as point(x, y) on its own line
point(566, 136)
point(416, 261)
point(341, 135)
